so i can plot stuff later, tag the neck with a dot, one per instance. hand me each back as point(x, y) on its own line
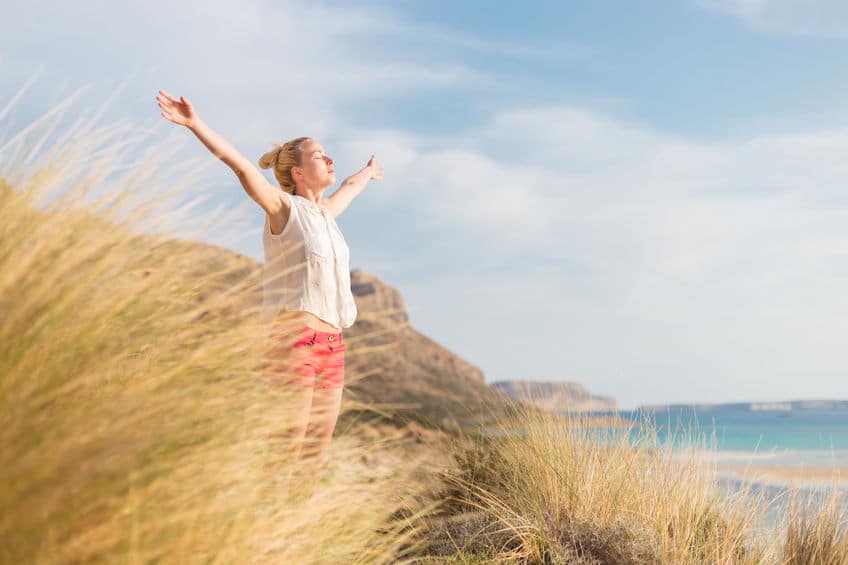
point(310, 194)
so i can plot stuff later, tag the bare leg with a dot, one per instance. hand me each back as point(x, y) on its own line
point(301, 402)
point(288, 369)
point(326, 404)
point(285, 463)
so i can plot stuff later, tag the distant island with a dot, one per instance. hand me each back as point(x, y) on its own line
point(780, 406)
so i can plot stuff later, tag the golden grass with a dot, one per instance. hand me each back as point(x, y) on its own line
point(552, 490)
point(135, 421)
point(136, 424)
point(815, 534)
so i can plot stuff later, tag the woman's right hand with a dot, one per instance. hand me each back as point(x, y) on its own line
point(181, 112)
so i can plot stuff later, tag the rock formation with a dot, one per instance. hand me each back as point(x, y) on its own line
point(390, 363)
point(558, 397)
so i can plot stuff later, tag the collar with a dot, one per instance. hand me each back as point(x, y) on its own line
point(311, 203)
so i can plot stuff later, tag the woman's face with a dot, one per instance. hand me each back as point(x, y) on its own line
point(316, 167)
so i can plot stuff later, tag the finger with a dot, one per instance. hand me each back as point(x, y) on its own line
point(185, 101)
point(168, 96)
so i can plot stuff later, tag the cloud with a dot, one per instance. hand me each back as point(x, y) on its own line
point(640, 256)
point(712, 261)
point(623, 196)
point(300, 63)
point(825, 18)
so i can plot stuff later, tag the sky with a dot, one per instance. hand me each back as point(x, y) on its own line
point(646, 198)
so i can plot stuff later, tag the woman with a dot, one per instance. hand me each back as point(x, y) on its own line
point(306, 277)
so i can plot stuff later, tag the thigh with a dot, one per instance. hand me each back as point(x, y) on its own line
point(326, 403)
point(331, 367)
point(291, 358)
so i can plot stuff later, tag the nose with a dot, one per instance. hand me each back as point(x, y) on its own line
point(329, 160)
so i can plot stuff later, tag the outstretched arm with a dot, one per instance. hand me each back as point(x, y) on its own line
point(353, 185)
point(181, 112)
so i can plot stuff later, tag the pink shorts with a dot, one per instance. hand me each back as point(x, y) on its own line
point(314, 358)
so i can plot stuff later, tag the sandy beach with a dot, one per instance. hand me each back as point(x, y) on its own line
point(808, 477)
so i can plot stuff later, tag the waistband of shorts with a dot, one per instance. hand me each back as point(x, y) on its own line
point(318, 336)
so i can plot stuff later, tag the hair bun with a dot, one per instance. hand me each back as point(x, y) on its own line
point(269, 159)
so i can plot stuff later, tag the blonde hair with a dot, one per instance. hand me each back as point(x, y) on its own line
point(282, 158)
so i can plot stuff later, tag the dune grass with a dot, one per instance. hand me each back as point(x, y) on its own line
point(553, 490)
point(815, 533)
point(136, 424)
point(546, 488)
point(135, 421)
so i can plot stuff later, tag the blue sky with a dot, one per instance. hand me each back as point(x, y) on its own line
point(647, 198)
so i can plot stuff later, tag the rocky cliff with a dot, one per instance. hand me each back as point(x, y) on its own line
point(382, 306)
point(390, 363)
point(557, 396)
point(391, 368)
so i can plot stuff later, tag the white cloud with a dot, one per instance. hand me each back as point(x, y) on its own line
point(640, 256)
point(566, 174)
point(299, 65)
point(712, 262)
point(827, 18)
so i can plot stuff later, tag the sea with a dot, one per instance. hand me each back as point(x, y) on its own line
point(734, 438)
point(804, 439)
point(797, 441)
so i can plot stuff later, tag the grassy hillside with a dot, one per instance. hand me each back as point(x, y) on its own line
point(135, 421)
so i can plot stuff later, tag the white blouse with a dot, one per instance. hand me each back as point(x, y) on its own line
point(307, 266)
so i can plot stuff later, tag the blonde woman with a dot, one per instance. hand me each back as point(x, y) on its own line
point(306, 277)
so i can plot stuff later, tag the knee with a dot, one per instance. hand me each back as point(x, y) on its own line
point(321, 430)
point(297, 432)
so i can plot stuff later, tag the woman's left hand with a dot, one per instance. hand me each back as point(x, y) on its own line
point(376, 168)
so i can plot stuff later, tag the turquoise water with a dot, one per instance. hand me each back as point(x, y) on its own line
point(796, 438)
point(809, 439)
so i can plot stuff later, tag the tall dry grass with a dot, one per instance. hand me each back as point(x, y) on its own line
point(543, 488)
point(815, 532)
point(135, 421)
point(136, 424)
